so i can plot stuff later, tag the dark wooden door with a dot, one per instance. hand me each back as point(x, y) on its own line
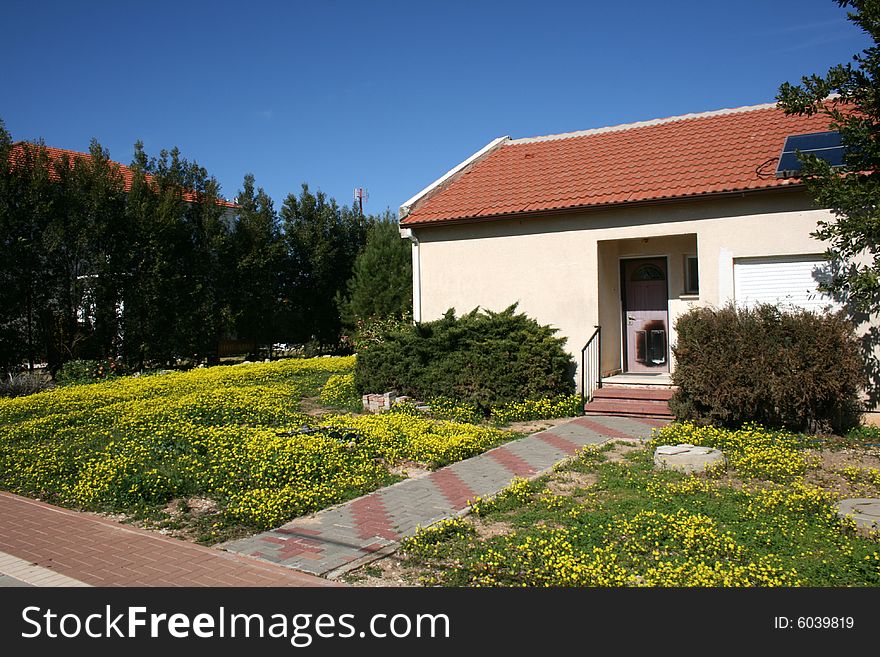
point(646, 315)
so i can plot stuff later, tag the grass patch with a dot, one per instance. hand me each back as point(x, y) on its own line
point(619, 522)
point(229, 440)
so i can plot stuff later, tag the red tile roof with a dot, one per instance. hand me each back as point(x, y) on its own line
point(680, 157)
point(56, 154)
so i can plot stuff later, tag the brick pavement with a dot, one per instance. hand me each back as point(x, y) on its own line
point(336, 539)
point(44, 545)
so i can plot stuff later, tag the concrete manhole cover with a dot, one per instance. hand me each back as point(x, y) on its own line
point(864, 510)
point(686, 458)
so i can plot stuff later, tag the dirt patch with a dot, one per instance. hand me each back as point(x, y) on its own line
point(565, 483)
point(620, 449)
point(830, 464)
point(487, 529)
point(384, 572)
point(201, 506)
point(194, 507)
point(408, 470)
point(312, 406)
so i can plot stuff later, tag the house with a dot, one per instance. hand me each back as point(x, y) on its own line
point(625, 228)
point(56, 155)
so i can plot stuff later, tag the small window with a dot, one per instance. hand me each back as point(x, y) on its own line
point(691, 275)
point(648, 273)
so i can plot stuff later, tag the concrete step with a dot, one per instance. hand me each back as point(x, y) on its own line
point(619, 392)
point(633, 406)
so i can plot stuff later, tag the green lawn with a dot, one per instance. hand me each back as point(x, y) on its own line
point(608, 518)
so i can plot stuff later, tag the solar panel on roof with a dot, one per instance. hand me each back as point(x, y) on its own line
point(824, 145)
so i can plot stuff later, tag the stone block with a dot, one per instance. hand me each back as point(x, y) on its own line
point(865, 511)
point(686, 458)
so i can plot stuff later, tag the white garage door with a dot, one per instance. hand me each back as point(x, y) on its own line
point(783, 280)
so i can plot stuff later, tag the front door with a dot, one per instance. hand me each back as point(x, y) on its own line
point(646, 315)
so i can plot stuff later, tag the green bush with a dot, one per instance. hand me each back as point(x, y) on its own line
point(482, 358)
point(372, 331)
point(85, 371)
point(796, 370)
point(865, 434)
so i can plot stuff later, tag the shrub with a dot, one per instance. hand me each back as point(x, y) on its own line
point(372, 331)
point(867, 433)
point(23, 383)
point(797, 369)
point(482, 358)
point(85, 371)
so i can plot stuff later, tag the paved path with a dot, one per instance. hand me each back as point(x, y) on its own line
point(44, 545)
point(336, 539)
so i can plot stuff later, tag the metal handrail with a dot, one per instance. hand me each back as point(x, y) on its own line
point(591, 378)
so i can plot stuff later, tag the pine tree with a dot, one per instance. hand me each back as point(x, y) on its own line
point(322, 242)
point(381, 283)
point(259, 263)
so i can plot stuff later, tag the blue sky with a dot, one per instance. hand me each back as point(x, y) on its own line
point(386, 95)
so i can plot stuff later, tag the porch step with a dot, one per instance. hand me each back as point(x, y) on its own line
point(655, 393)
point(631, 402)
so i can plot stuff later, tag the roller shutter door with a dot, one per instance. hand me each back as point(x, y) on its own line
point(782, 280)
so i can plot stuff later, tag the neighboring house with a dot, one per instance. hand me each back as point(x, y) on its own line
point(625, 228)
point(57, 154)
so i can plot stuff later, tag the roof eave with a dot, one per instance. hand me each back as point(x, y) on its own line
point(407, 206)
point(790, 187)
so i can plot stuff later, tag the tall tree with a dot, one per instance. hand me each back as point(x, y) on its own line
point(26, 201)
point(81, 243)
point(259, 264)
point(322, 241)
point(177, 302)
point(381, 282)
point(852, 192)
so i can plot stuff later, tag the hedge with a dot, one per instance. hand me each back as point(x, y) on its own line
point(483, 358)
point(783, 369)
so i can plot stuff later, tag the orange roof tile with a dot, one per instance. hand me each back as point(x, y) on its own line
point(56, 154)
point(680, 157)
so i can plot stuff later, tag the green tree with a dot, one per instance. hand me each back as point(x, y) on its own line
point(81, 244)
point(180, 280)
point(322, 242)
point(259, 265)
point(853, 192)
point(381, 282)
point(24, 201)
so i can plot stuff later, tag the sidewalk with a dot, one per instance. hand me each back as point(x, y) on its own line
point(44, 545)
point(337, 539)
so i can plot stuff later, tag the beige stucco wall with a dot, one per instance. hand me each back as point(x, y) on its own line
point(551, 265)
point(555, 266)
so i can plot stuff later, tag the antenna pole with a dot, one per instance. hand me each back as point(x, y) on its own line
point(361, 195)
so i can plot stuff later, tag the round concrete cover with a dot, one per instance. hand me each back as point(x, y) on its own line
point(686, 457)
point(864, 510)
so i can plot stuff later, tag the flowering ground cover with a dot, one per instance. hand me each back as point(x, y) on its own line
point(217, 452)
point(608, 518)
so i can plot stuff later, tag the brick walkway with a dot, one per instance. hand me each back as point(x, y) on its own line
point(342, 537)
point(44, 545)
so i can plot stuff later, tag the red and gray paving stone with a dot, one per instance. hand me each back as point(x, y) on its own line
point(44, 545)
point(336, 539)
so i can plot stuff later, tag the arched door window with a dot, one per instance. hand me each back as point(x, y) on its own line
point(648, 273)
